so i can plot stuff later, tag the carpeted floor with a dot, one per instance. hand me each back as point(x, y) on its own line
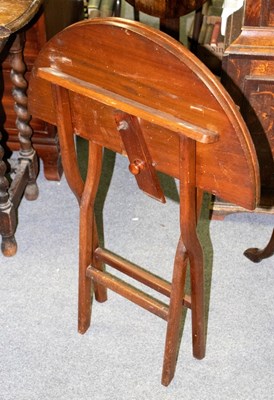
point(120, 357)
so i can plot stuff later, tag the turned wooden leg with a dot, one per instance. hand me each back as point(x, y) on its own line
point(198, 20)
point(171, 26)
point(25, 177)
point(256, 255)
point(26, 152)
point(7, 212)
point(175, 314)
point(117, 8)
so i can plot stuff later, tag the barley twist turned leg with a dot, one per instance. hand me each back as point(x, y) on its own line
point(7, 212)
point(26, 152)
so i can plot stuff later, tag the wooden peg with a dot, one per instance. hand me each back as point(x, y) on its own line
point(141, 165)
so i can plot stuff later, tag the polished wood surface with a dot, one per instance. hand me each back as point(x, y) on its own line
point(14, 16)
point(52, 17)
point(105, 80)
point(199, 107)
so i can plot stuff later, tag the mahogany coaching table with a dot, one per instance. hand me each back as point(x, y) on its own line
point(127, 87)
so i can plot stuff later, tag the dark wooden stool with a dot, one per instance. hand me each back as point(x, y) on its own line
point(132, 89)
point(169, 12)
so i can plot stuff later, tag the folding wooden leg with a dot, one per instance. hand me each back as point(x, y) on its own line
point(100, 291)
point(190, 202)
point(85, 195)
point(88, 240)
point(175, 314)
point(188, 248)
point(197, 303)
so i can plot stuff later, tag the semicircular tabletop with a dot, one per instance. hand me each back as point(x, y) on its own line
point(150, 68)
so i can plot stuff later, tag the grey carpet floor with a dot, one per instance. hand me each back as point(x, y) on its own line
point(120, 357)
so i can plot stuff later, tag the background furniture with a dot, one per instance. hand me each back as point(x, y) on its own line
point(169, 12)
point(248, 75)
point(103, 8)
point(157, 113)
point(256, 255)
point(14, 16)
point(52, 17)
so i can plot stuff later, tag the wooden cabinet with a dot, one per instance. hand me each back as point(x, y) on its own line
point(248, 75)
point(54, 16)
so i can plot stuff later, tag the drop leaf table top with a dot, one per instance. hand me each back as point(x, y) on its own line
point(15, 14)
